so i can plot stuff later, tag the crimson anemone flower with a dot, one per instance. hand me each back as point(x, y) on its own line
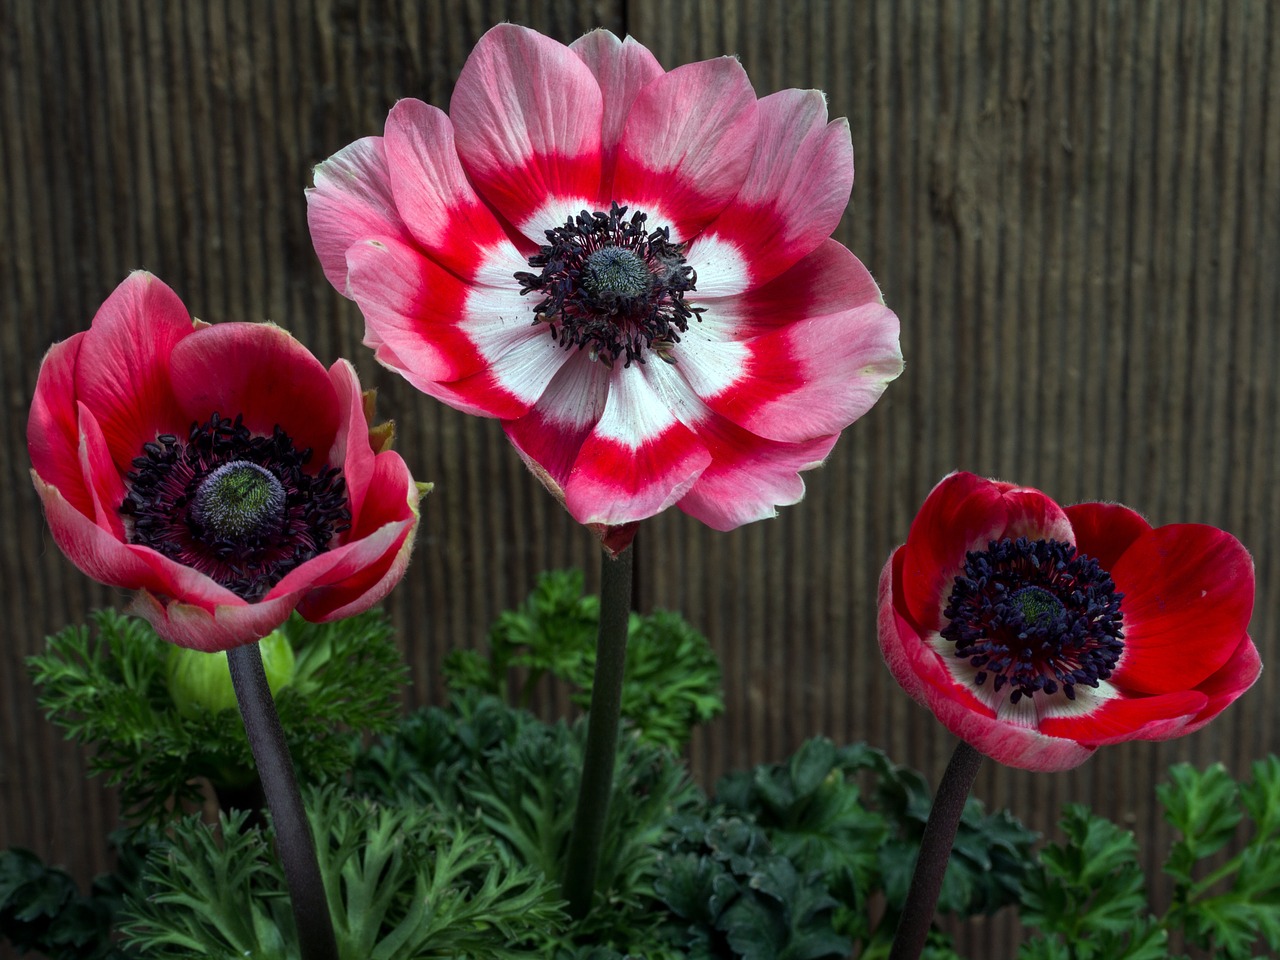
point(220, 471)
point(631, 268)
point(1038, 633)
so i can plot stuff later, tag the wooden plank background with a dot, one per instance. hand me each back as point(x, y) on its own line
point(1073, 207)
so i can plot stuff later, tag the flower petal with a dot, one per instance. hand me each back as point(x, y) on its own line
point(212, 629)
point(622, 68)
point(637, 461)
point(1104, 531)
point(101, 477)
point(433, 196)
point(749, 477)
point(527, 114)
point(351, 200)
point(97, 552)
point(962, 513)
point(797, 189)
point(1119, 719)
point(351, 451)
point(550, 436)
point(473, 347)
point(1188, 596)
point(122, 370)
point(392, 499)
point(815, 377)
point(828, 282)
point(261, 372)
point(53, 432)
point(1223, 688)
point(687, 145)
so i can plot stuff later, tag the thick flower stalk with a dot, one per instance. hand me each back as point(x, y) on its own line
point(1039, 633)
point(631, 268)
point(220, 471)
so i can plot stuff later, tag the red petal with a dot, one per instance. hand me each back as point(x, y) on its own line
point(122, 372)
point(638, 459)
point(550, 436)
point(796, 191)
point(432, 194)
point(1104, 531)
point(219, 628)
point(749, 477)
point(1188, 595)
point(351, 451)
point(1223, 688)
point(687, 145)
point(526, 114)
point(392, 499)
point(100, 475)
point(53, 433)
point(622, 68)
point(1129, 718)
point(814, 378)
point(463, 344)
point(962, 513)
point(828, 282)
point(260, 371)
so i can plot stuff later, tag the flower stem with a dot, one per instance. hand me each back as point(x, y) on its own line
point(602, 733)
point(294, 844)
point(935, 851)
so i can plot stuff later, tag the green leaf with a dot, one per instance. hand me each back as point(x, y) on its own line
point(1203, 808)
point(1261, 797)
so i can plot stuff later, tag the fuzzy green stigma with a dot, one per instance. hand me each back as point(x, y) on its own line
point(239, 501)
point(616, 272)
point(1036, 604)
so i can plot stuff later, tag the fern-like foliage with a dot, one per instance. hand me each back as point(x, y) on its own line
point(402, 884)
point(672, 680)
point(106, 688)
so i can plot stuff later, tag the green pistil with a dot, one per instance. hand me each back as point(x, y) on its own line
point(239, 500)
point(1036, 604)
point(616, 272)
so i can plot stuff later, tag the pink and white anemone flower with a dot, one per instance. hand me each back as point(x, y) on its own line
point(631, 268)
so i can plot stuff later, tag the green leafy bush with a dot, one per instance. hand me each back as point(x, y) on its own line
point(107, 688)
point(672, 680)
point(1088, 894)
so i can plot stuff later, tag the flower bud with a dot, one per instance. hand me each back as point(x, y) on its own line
point(200, 682)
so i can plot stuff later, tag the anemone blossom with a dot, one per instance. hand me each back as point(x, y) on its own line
point(1039, 633)
point(631, 268)
point(218, 470)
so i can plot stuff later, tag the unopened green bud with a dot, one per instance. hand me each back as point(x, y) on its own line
point(201, 682)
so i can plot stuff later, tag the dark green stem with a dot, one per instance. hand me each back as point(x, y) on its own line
point(935, 851)
point(294, 844)
point(602, 733)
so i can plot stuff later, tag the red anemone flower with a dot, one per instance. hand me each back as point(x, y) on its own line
point(220, 471)
point(631, 268)
point(1038, 633)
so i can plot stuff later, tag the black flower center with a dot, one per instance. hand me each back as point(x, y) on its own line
point(612, 288)
point(238, 507)
point(1035, 616)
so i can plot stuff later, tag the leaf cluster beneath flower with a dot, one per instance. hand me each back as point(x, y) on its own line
point(672, 680)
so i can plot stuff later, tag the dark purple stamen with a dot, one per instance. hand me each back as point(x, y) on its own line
point(1035, 616)
point(612, 288)
point(238, 507)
